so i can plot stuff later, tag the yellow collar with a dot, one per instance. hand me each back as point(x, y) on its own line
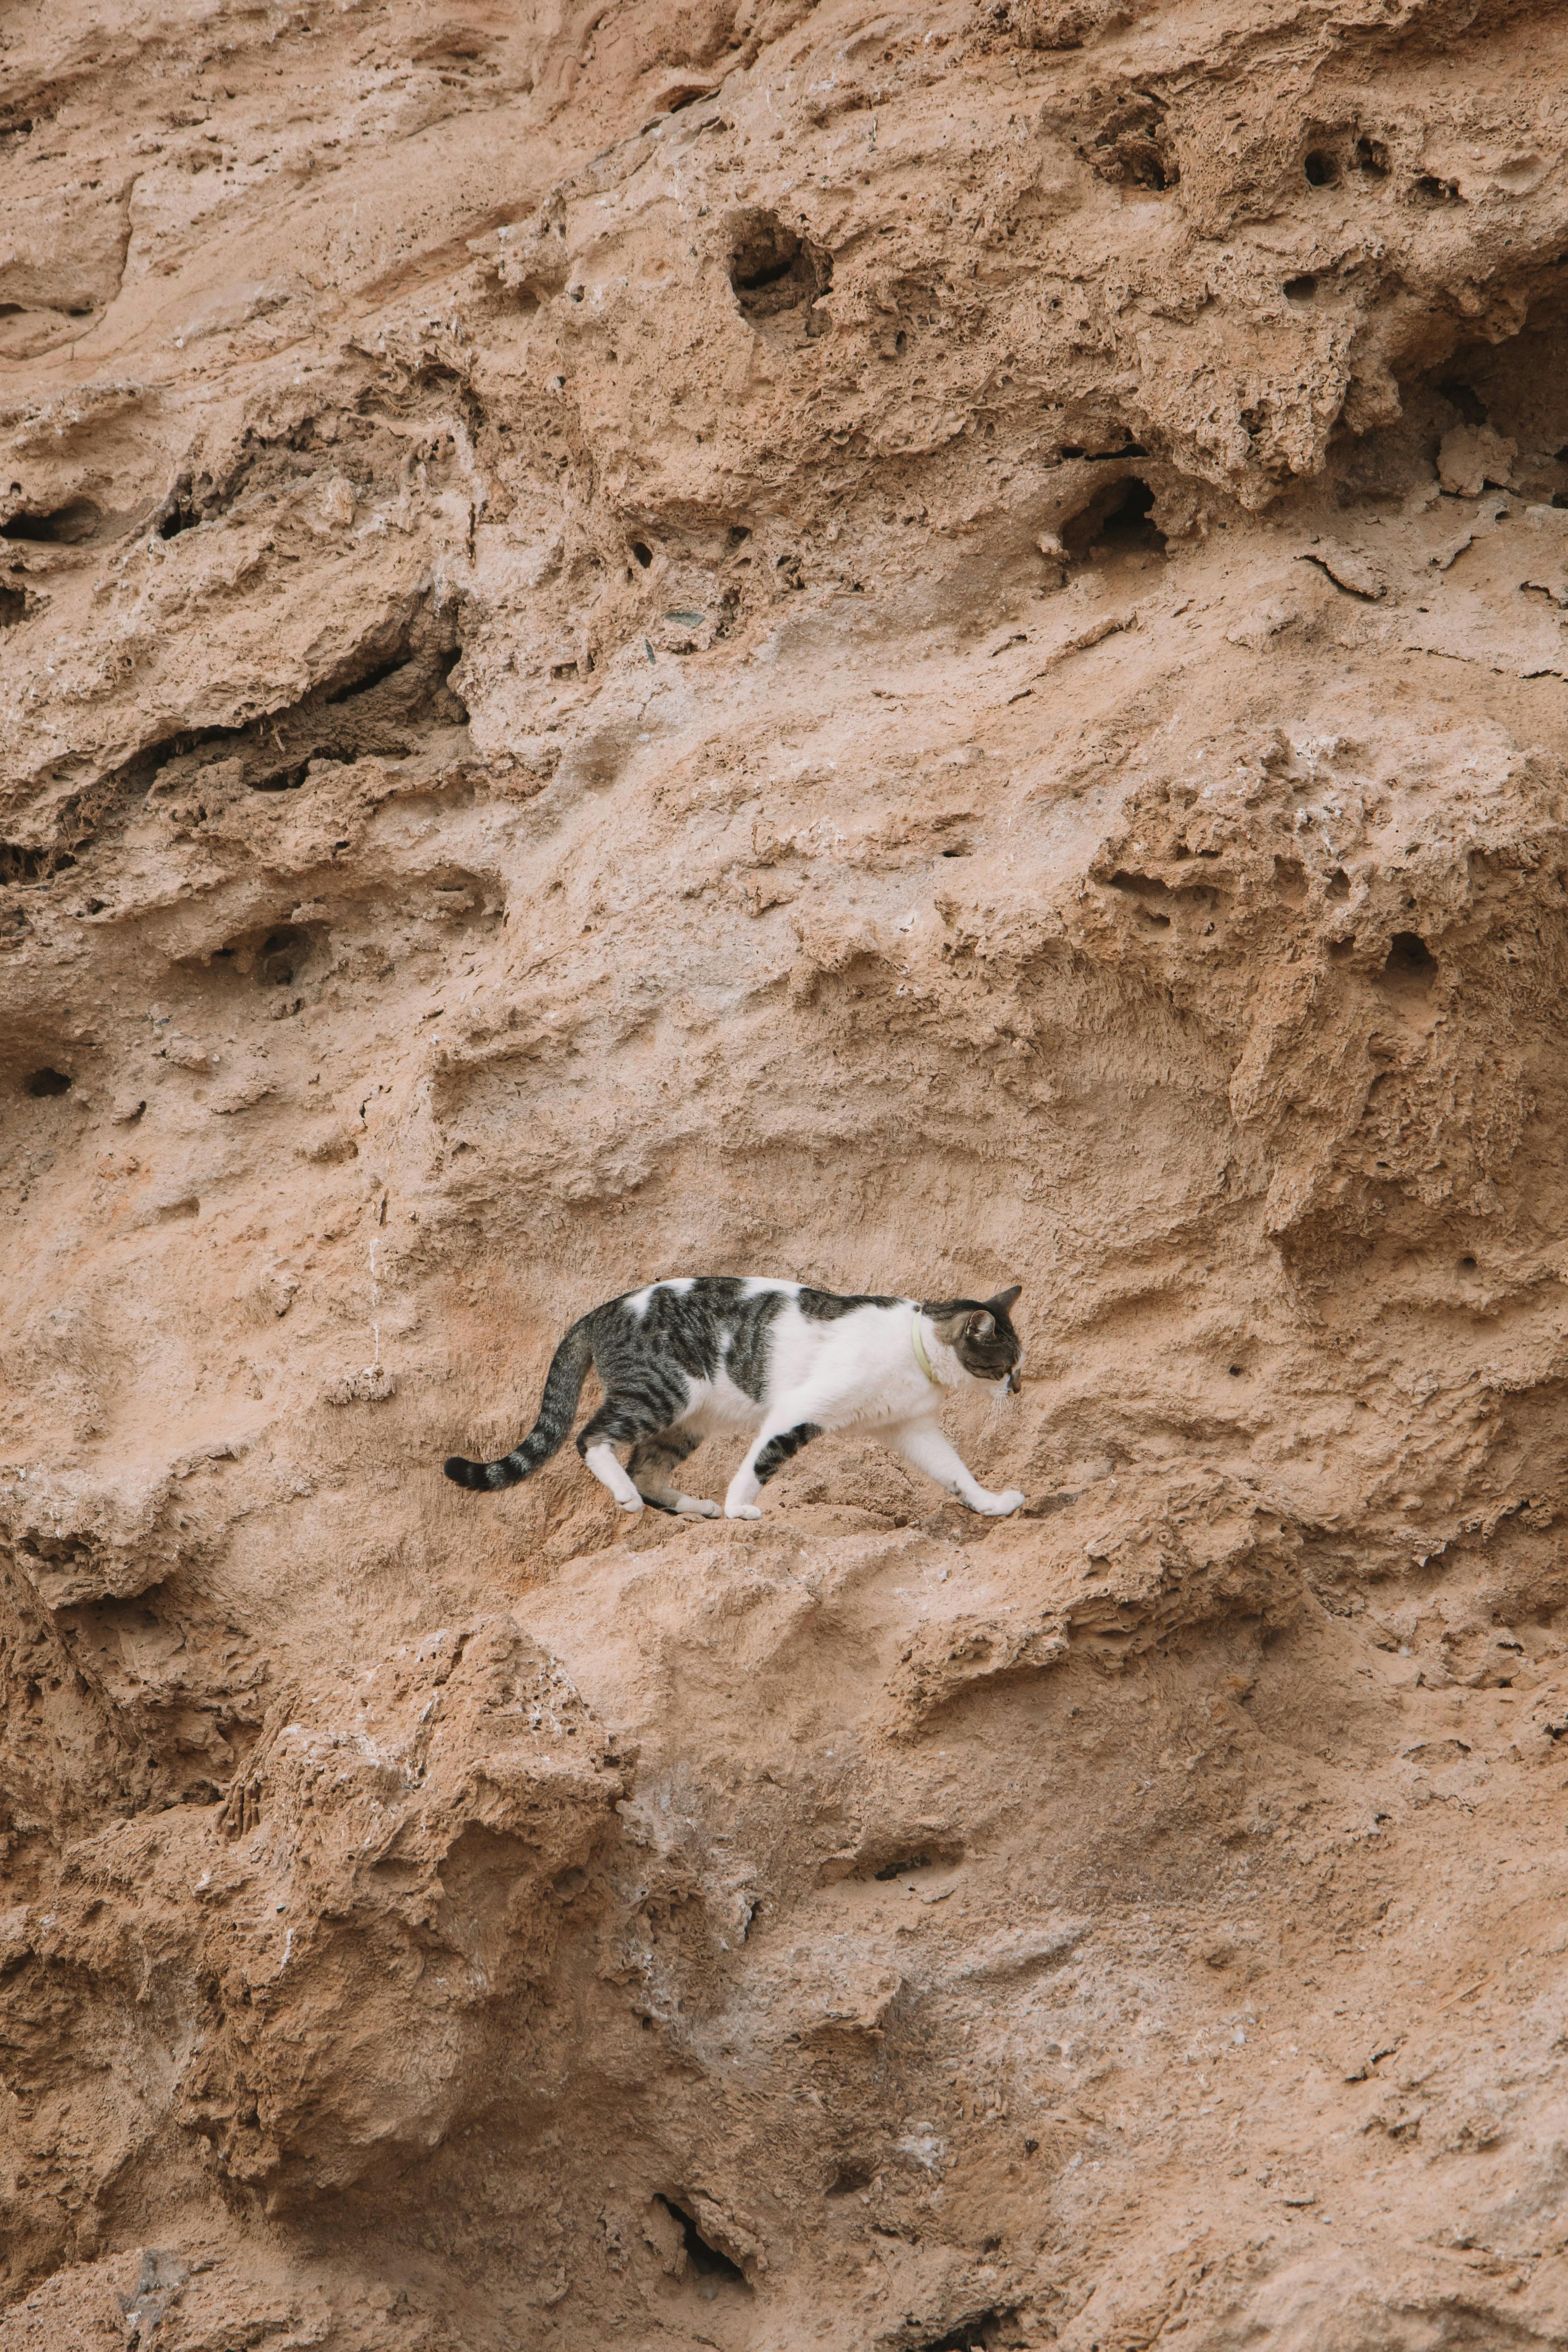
point(922, 1358)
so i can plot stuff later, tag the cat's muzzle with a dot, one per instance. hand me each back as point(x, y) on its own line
point(1015, 1380)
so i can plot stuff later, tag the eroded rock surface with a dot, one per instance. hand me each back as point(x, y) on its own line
point(911, 647)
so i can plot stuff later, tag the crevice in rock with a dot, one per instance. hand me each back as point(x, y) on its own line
point(705, 2260)
point(775, 272)
point(854, 2174)
point(20, 864)
point(178, 511)
point(928, 1855)
point(1132, 145)
point(66, 526)
point(387, 700)
point(1116, 521)
point(986, 2332)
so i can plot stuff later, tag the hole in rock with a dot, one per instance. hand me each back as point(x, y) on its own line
point(20, 864)
point(986, 2332)
point(853, 2175)
point(1464, 396)
point(931, 1853)
point(281, 953)
point(1466, 1265)
point(13, 607)
point(1132, 146)
point(65, 526)
point(177, 512)
point(46, 1082)
point(1410, 963)
point(1302, 288)
point(1117, 522)
point(1321, 167)
point(705, 2260)
point(1372, 157)
point(643, 553)
point(1430, 190)
point(685, 94)
point(770, 268)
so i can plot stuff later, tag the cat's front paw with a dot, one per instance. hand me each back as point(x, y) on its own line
point(1000, 1507)
point(628, 1502)
point(691, 1508)
point(741, 1511)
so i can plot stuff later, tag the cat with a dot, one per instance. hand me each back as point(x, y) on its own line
point(679, 1362)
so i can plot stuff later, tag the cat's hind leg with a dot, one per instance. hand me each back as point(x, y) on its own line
point(653, 1459)
point(924, 1447)
point(780, 1438)
point(623, 1419)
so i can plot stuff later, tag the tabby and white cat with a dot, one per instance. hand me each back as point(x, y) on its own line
point(683, 1361)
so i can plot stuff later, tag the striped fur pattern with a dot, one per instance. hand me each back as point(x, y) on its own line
point(778, 1361)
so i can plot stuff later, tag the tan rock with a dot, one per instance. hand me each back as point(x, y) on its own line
point(674, 640)
point(1474, 457)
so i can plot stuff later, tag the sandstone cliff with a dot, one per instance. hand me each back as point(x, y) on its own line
point(912, 647)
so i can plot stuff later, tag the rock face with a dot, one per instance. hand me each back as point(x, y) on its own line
point(911, 648)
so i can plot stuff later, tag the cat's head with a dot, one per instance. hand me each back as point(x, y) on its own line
point(980, 1333)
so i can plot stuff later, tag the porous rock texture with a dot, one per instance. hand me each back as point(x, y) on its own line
point(912, 647)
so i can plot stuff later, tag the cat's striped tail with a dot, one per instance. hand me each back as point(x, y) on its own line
point(557, 1410)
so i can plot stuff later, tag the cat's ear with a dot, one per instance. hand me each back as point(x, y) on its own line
point(1004, 1302)
point(982, 1326)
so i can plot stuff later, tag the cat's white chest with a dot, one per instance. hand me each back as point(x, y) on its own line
point(854, 1369)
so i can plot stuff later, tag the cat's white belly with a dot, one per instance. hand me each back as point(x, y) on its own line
point(718, 1405)
point(856, 1369)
